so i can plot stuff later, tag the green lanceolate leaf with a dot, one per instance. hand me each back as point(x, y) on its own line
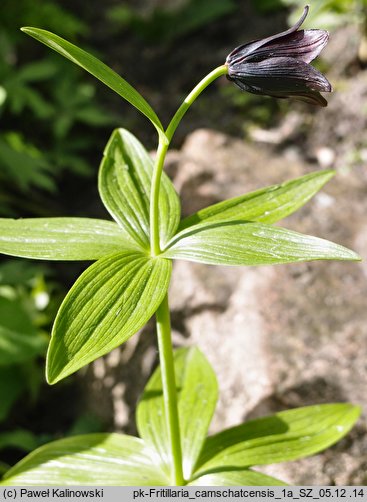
point(109, 302)
point(197, 396)
point(251, 243)
point(267, 205)
point(98, 69)
point(288, 435)
point(236, 477)
point(124, 185)
point(91, 459)
point(62, 238)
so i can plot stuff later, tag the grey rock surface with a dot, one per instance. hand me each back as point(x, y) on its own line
point(278, 337)
point(281, 336)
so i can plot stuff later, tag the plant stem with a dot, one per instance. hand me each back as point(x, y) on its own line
point(163, 145)
point(163, 314)
point(197, 90)
point(154, 197)
point(169, 390)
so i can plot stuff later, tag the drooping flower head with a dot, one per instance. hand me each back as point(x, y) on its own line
point(279, 66)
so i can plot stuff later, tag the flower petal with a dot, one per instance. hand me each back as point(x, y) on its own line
point(305, 45)
point(312, 97)
point(238, 54)
point(279, 74)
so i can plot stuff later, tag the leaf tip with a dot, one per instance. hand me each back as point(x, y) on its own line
point(356, 409)
point(51, 375)
point(329, 173)
point(50, 378)
point(353, 256)
point(347, 254)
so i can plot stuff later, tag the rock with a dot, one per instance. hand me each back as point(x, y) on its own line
point(278, 337)
point(284, 336)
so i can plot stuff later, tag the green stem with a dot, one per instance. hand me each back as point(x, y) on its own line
point(163, 145)
point(197, 90)
point(163, 314)
point(154, 197)
point(169, 390)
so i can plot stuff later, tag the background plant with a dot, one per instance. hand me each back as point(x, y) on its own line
point(50, 124)
point(24, 313)
point(42, 103)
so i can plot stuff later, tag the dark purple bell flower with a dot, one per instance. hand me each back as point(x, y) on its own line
point(279, 66)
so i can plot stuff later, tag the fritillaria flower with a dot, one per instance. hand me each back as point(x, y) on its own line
point(279, 66)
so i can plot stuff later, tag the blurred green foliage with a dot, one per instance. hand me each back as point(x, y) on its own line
point(26, 311)
point(164, 24)
point(41, 103)
point(329, 14)
point(326, 14)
